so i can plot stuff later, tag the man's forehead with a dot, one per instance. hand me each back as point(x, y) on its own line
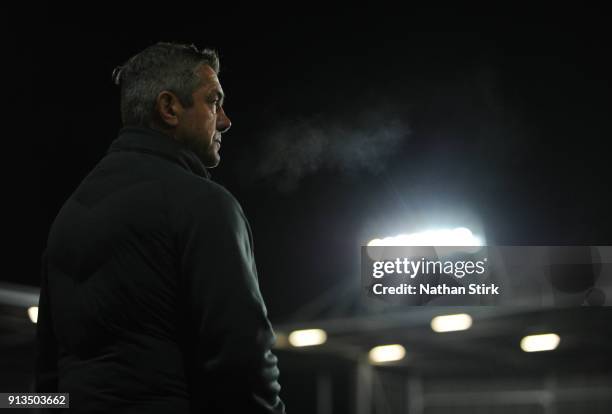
point(209, 78)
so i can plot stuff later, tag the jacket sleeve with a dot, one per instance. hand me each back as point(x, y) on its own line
point(232, 366)
point(46, 344)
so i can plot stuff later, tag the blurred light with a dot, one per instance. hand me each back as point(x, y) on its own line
point(459, 236)
point(537, 343)
point(450, 323)
point(33, 313)
point(307, 337)
point(387, 353)
point(281, 341)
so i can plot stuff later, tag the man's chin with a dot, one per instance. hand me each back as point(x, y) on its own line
point(211, 162)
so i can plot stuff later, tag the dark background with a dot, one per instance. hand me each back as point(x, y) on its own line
point(344, 129)
point(494, 123)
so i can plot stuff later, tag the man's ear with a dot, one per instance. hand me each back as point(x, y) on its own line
point(168, 108)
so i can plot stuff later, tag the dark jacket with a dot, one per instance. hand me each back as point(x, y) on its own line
point(150, 300)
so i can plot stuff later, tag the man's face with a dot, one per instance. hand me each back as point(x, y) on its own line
point(200, 126)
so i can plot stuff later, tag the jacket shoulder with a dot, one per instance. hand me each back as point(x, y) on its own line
point(194, 188)
point(180, 186)
point(194, 197)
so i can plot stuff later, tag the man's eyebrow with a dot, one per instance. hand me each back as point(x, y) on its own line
point(220, 95)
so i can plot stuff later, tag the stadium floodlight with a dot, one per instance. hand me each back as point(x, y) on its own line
point(460, 236)
point(307, 337)
point(451, 323)
point(542, 342)
point(387, 353)
point(33, 313)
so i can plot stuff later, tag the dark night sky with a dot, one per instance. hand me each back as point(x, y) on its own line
point(347, 130)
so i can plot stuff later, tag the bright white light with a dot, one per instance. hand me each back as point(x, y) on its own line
point(537, 343)
point(33, 313)
point(387, 353)
point(307, 337)
point(459, 236)
point(450, 323)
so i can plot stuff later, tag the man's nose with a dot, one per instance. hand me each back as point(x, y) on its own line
point(223, 122)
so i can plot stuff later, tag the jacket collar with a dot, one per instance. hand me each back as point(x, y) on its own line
point(147, 140)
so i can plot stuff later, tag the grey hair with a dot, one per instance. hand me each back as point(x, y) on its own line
point(163, 66)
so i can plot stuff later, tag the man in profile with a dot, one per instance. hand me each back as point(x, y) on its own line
point(149, 299)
